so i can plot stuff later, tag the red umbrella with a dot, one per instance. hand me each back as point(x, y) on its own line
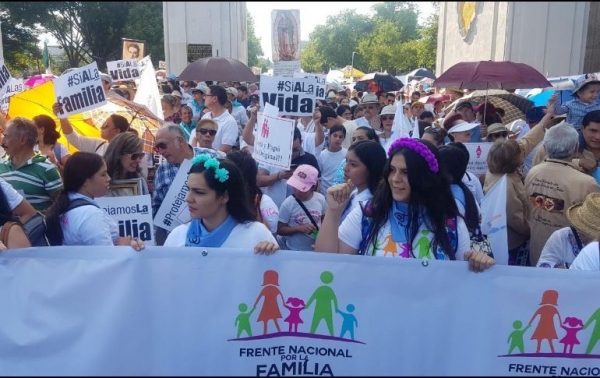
point(491, 75)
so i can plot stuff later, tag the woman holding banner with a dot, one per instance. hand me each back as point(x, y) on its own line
point(222, 214)
point(412, 214)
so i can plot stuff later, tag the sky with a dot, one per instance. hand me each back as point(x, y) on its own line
point(311, 15)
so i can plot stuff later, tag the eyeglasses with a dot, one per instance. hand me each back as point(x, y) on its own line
point(135, 156)
point(207, 131)
point(502, 134)
point(370, 107)
point(386, 117)
point(162, 145)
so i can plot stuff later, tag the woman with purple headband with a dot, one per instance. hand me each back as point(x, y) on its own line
point(412, 214)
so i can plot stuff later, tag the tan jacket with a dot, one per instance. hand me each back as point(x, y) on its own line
point(541, 154)
point(552, 187)
point(517, 209)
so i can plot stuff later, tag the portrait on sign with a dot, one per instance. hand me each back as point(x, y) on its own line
point(285, 35)
point(133, 49)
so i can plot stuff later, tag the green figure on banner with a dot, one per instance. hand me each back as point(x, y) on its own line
point(242, 322)
point(516, 337)
point(595, 318)
point(324, 297)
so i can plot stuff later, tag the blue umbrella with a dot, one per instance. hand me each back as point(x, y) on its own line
point(541, 99)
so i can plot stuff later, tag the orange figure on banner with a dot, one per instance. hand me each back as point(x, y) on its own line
point(270, 293)
point(545, 329)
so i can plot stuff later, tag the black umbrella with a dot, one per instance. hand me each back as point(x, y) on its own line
point(420, 73)
point(217, 68)
point(375, 82)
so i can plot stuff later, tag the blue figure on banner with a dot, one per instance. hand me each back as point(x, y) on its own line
point(349, 321)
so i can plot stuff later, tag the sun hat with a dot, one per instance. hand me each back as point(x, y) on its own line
point(232, 90)
point(464, 104)
point(489, 109)
point(201, 87)
point(304, 177)
point(585, 216)
point(176, 93)
point(496, 128)
point(388, 109)
point(369, 98)
point(516, 126)
point(463, 126)
point(107, 78)
point(584, 80)
point(172, 77)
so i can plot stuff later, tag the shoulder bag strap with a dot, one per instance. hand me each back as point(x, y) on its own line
point(100, 145)
point(306, 212)
point(577, 238)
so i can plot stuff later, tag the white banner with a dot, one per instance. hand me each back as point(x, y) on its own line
point(493, 220)
point(123, 70)
point(147, 91)
point(273, 144)
point(5, 77)
point(79, 90)
point(14, 86)
point(478, 153)
point(133, 215)
point(293, 96)
point(174, 211)
point(211, 312)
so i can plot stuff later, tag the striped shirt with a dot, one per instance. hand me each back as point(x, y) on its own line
point(575, 110)
point(36, 180)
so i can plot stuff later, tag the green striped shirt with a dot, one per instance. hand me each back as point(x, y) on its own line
point(37, 179)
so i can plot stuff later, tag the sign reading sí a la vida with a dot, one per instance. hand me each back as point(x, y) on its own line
point(292, 96)
point(79, 90)
point(124, 70)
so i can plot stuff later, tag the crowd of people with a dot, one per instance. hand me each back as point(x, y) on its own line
point(356, 185)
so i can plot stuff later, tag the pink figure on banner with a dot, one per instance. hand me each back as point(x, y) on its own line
point(574, 325)
point(296, 306)
point(264, 132)
point(478, 152)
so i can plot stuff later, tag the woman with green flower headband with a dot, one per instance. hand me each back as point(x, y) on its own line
point(222, 215)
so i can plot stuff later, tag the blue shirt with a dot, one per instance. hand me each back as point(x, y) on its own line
point(575, 110)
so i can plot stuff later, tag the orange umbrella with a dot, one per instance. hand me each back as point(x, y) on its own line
point(39, 100)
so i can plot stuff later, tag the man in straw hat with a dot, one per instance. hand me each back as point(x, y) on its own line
point(555, 185)
point(586, 218)
point(565, 244)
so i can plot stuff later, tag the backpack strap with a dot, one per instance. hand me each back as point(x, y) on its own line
point(365, 228)
point(577, 238)
point(100, 145)
point(56, 150)
point(78, 202)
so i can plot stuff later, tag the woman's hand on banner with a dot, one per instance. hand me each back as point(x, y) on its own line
point(478, 261)
point(266, 248)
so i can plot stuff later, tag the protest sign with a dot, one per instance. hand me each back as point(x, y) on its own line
point(79, 90)
point(493, 220)
point(321, 80)
point(293, 96)
point(5, 77)
point(174, 211)
point(228, 312)
point(273, 144)
point(478, 153)
point(133, 214)
point(147, 91)
point(133, 49)
point(124, 70)
point(162, 65)
point(14, 86)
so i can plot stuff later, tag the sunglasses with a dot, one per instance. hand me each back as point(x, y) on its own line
point(386, 117)
point(502, 134)
point(432, 130)
point(135, 156)
point(207, 131)
point(370, 107)
point(162, 145)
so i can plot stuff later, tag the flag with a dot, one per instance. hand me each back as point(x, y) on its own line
point(493, 220)
point(147, 90)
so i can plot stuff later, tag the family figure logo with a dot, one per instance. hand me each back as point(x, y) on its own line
point(543, 323)
point(323, 303)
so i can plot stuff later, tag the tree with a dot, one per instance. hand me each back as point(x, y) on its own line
point(428, 41)
point(403, 14)
point(19, 43)
point(145, 22)
point(254, 48)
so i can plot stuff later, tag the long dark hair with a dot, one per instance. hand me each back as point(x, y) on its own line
point(371, 134)
point(80, 167)
point(429, 192)
point(455, 158)
point(373, 156)
point(238, 205)
point(247, 165)
point(49, 126)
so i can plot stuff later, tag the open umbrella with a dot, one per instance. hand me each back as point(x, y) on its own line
point(375, 82)
point(420, 73)
point(39, 100)
point(36, 80)
point(355, 73)
point(140, 117)
point(491, 75)
point(217, 68)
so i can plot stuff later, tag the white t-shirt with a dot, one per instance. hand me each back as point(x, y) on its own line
point(269, 212)
point(560, 249)
point(279, 190)
point(588, 258)
point(350, 127)
point(13, 197)
point(88, 225)
point(350, 232)
point(355, 200)
point(87, 144)
point(310, 128)
point(228, 131)
point(292, 214)
point(329, 163)
point(474, 185)
point(240, 116)
point(308, 144)
point(362, 121)
point(245, 235)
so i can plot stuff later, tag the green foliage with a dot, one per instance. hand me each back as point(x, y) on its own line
point(254, 48)
point(145, 23)
point(390, 40)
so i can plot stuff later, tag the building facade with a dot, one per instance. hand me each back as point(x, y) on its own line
point(196, 30)
point(556, 38)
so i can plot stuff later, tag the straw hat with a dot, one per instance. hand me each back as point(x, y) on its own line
point(585, 216)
